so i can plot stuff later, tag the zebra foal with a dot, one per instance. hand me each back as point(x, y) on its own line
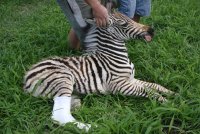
point(104, 69)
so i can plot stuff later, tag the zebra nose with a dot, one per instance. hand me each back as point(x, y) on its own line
point(150, 31)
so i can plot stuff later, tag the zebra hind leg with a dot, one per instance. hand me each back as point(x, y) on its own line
point(155, 90)
point(138, 88)
point(157, 87)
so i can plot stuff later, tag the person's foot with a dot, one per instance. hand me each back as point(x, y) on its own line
point(73, 40)
point(136, 18)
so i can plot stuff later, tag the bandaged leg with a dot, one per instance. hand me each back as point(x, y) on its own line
point(61, 113)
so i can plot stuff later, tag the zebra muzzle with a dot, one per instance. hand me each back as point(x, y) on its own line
point(147, 38)
point(149, 34)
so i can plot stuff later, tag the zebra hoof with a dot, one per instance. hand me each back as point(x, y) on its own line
point(83, 126)
point(162, 99)
point(75, 103)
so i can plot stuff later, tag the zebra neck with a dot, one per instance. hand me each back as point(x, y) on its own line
point(102, 41)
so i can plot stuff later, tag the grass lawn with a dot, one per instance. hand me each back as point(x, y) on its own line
point(33, 30)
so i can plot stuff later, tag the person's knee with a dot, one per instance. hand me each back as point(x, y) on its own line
point(73, 40)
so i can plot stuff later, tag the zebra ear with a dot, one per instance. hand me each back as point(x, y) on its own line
point(91, 21)
point(110, 21)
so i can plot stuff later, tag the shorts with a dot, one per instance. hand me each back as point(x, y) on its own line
point(76, 12)
point(132, 7)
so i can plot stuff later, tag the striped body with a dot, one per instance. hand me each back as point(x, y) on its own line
point(89, 74)
point(105, 68)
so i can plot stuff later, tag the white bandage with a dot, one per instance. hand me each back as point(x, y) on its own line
point(61, 110)
point(61, 113)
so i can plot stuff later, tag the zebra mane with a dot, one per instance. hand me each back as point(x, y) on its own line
point(90, 44)
point(92, 39)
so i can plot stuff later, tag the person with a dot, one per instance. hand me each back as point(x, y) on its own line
point(135, 9)
point(77, 11)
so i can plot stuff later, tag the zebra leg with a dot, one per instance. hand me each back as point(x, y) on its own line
point(157, 87)
point(136, 87)
point(61, 113)
point(61, 110)
point(75, 102)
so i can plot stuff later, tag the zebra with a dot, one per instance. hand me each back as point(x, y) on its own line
point(104, 69)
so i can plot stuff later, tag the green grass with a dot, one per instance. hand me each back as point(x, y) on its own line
point(33, 30)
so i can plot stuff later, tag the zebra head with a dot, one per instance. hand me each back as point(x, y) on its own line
point(122, 27)
point(119, 29)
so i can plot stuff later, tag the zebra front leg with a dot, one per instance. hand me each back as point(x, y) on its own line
point(61, 110)
point(135, 87)
point(61, 113)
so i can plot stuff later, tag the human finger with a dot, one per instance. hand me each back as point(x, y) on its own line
point(104, 22)
point(98, 22)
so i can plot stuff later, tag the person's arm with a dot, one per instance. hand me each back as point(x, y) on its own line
point(100, 13)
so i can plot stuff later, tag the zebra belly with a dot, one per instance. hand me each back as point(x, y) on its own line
point(88, 89)
point(90, 83)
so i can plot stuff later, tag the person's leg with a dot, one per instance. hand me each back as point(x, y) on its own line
point(75, 11)
point(143, 8)
point(127, 7)
point(74, 42)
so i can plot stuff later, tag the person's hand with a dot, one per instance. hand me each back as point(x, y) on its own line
point(100, 12)
point(101, 16)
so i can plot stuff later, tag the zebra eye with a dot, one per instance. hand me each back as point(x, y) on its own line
point(122, 23)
